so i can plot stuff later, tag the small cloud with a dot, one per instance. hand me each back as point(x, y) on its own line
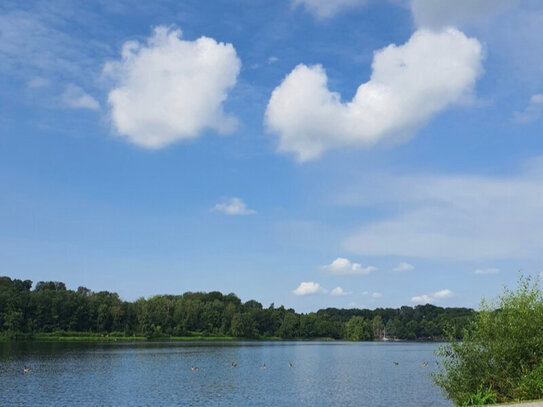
point(487, 271)
point(443, 294)
point(343, 266)
point(428, 298)
point(338, 292)
point(38, 82)
point(76, 98)
point(365, 293)
point(309, 287)
point(532, 112)
point(233, 206)
point(323, 9)
point(376, 295)
point(271, 60)
point(403, 266)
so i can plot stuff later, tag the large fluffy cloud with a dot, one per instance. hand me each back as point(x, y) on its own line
point(169, 89)
point(409, 84)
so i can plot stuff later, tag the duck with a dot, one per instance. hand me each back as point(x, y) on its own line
point(26, 370)
point(396, 363)
point(194, 368)
point(425, 364)
point(263, 366)
point(234, 364)
point(289, 363)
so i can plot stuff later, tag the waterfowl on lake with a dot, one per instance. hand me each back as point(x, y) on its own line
point(194, 368)
point(289, 363)
point(395, 363)
point(425, 364)
point(263, 366)
point(234, 365)
point(26, 370)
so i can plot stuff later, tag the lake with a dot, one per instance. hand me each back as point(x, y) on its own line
point(159, 374)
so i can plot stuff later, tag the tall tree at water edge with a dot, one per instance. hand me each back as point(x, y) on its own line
point(500, 358)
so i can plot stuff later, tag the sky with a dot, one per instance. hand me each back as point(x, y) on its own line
point(306, 153)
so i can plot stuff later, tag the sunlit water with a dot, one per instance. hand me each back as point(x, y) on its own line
point(159, 374)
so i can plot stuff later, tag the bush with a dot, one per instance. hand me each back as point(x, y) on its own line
point(500, 358)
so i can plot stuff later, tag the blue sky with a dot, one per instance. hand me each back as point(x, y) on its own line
point(310, 153)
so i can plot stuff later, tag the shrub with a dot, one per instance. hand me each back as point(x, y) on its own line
point(500, 357)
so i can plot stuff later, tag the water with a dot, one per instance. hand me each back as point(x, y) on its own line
point(159, 374)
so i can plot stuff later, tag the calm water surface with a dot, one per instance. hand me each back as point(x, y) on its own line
point(159, 374)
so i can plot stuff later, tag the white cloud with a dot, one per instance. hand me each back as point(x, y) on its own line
point(403, 266)
point(233, 206)
point(327, 8)
point(409, 84)
point(429, 298)
point(376, 295)
point(471, 218)
point(272, 59)
point(532, 112)
point(76, 98)
point(487, 271)
point(38, 82)
point(170, 89)
point(309, 287)
point(338, 292)
point(343, 266)
point(442, 13)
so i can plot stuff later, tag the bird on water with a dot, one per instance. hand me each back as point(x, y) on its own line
point(395, 363)
point(234, 364)
point(194, 368)
point(26, 370)
point(289, 363)
point(263, 367)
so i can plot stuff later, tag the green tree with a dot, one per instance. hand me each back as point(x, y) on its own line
point(355, 329)
point(501, 353)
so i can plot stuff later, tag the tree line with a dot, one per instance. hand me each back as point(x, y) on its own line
point(50, 307)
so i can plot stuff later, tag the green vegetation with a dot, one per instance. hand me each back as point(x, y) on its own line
point(50, 311)
point(500, 357)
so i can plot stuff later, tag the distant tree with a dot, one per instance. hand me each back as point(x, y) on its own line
point(356, 329)
point(377, 326)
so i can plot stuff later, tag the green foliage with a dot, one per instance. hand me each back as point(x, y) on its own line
point(357, 329)
point(481, 398)
point(501, 351)
point(51, 311)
